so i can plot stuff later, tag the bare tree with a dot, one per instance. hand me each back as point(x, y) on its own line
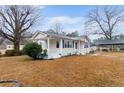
point(16, 20)
point(73, 34)
point(104, 20)
point(58, 28)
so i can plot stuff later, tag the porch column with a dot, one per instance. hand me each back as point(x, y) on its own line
point(61, 46)
point(48, 45)
point(73, 44)
point(79, 46)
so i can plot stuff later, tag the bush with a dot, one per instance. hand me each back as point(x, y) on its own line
point(121, 48)
point(13, 53)
point(42, 54)
point(98, 49)
point(105, 50)
point(45, 52)
point(32, 50)
point(115, 49)
point(20, 53)
point(92, 51)
point(0, 54)
point(10, 52)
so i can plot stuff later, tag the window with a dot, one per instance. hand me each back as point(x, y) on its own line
point(86, 46)
point(57, 44)
point(63, 43)
point(71, 44)
point(68, 44)
point(9, 46)
point(76, 45)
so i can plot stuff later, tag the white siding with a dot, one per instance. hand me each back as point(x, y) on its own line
point(21, 47)
point(43, 43)
point(55, 52)
point(40, 36)
point(58, 51)
point(9, 47)
point(53, 48)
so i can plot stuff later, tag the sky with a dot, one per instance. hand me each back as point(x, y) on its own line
point(72, 17)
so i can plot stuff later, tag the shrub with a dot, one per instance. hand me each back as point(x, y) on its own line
point(20, 52)
point(0, 54)
point(115, 49)
point(121, 48)
point(98, 49)
point(13, 53)
point(45, 52)
point(105, 50)
point(92, 51)
point(32, 49)
point(10, 52)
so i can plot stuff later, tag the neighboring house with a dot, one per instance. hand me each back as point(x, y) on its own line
point(115, 45)
point(58, 45)
point(6, 44)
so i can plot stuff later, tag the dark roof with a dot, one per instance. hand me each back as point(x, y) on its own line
point(61, 35)
point(51, 34)
point(109, 42)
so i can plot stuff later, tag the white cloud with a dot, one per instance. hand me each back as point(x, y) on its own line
point(42, 7)
point(64, 20)
point(39, 6)
point(69, 24)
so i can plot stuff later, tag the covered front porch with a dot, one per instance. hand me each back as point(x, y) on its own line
point(63, 47)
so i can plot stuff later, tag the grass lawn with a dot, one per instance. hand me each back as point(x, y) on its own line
point(106, 69)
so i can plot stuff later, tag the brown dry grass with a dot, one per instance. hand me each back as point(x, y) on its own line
point(106, 69)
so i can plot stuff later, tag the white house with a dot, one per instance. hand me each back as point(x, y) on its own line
point(59, 45)
point(6, 44)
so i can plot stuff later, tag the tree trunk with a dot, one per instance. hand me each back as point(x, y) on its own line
point(17, 46)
